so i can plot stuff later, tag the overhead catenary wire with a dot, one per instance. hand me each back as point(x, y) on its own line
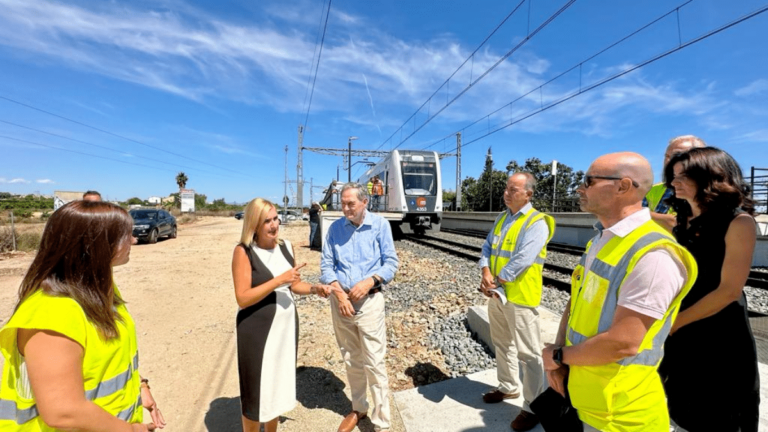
point(483, 75)
point(102, 146)
point(116, 135)
point(621, 73)
point(314, 56)
point(471, 56)
point(83, 153)
point(560, 75)
point(317, 65)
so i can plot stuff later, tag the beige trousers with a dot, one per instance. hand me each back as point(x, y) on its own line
point(362, 340)
point(517, 338)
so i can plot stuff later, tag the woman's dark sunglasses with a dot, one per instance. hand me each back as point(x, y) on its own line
point(588, 180)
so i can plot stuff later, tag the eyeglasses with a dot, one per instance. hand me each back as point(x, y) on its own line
point(588, 180)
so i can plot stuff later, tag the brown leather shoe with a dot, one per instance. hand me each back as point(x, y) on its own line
point(497, 396)
point(524, 421)
point(350, 421)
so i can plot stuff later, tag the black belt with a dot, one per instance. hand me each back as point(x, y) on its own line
point(373, 291)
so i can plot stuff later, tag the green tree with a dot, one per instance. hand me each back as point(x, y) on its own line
point(181, 180)
point(200, 201)
point(566, 198)
point(487, 192)
point(135, 201)
point(449, 197)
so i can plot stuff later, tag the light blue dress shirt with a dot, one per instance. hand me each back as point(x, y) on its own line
point(352, 254)
point(531, 242)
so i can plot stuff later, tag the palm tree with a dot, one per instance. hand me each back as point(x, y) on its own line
point(181, 180)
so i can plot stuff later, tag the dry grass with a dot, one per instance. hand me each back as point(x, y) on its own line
point(27, 237)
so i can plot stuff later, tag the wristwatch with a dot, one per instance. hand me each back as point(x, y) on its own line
point(376, 281)
point(557, 356)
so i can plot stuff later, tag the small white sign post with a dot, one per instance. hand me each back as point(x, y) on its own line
point(554, 186)
point(187, 200)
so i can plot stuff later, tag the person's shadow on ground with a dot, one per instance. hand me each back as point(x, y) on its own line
point(316, 388)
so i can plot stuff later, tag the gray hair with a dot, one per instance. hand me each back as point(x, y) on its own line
point(530, 180)
point(362, 191)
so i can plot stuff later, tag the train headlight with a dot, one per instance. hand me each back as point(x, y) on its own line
point(405, 208)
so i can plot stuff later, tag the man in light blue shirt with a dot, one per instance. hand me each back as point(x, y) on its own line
point(358, 258)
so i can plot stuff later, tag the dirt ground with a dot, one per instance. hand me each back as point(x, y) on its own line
point(180, 294)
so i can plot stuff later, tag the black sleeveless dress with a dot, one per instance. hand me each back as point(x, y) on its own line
point(267, 337)
point(709, 368)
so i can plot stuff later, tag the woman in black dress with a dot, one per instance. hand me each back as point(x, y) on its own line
point(266, 278)
point(710, 362)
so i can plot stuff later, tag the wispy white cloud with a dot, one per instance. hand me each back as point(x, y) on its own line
point(753, 88)
point(199, 56)
point(45, 181)
point(205, 58)
point(17, 180)
point(756, 136)
point(370, 99)
point(218, 142)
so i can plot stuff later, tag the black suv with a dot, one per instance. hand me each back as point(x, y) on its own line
point(149, 224)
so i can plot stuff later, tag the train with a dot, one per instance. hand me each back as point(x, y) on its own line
point(412, 187)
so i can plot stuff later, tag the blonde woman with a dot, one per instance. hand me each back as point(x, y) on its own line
point(266, 277)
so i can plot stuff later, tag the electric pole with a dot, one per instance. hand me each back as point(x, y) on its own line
point(458, 171)
point(300, 171)
point(285, 186)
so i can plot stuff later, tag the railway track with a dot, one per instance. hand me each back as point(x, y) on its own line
point(472, 253)
point(756, 279)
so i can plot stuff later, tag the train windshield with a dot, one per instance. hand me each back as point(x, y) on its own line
point(420, 178)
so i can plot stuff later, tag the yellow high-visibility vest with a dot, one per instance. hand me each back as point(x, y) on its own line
point(525, 290)
point(654, 197)
point(625, 396)
point(110, 368)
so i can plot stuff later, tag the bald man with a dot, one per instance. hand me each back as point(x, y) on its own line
point(661, 212)
point(625, 295)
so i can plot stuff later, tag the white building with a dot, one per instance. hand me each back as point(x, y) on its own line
point(154, 200)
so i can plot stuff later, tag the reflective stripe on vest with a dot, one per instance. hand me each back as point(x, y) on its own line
point(127, 413)
point(9, 410)
point(525, 290)
point(615, 275)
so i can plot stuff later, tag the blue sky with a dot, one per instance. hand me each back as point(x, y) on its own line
point(218, 91)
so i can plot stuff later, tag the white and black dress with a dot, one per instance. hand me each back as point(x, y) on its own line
point(267, 336)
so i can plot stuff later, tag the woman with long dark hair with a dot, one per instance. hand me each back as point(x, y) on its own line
point(266, 277)
point(71, 359)
point(711, 352)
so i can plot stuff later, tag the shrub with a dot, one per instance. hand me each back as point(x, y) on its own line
point(29, 241)
point(6, 239)
point(186, 218)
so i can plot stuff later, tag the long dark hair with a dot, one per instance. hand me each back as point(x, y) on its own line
point(75, 257)
point(719, 182)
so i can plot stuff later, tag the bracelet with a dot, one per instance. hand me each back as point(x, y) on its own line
point(313, 289)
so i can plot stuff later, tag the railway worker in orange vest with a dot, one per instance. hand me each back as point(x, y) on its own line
point(662, 212)
point(376, 192)
point(512, 261)
point(369, 188)
point(625, 296)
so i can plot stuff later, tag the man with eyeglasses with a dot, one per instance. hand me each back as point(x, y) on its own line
point(625, 295)
point(512, 261)
point(661, 212)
